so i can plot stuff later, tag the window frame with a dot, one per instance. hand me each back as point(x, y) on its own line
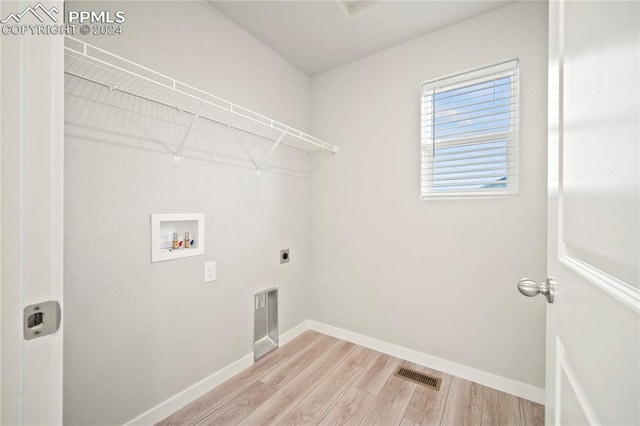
point(487, 73)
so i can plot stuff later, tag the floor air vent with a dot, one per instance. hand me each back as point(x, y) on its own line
point(419, 378)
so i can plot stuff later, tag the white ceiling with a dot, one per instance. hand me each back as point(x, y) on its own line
point(316, 36)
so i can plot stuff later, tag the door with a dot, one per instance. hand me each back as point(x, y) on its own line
point(31, 179)
point(593, 326)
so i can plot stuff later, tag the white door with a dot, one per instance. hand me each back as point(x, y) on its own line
point(593, 327)
point(31, 170)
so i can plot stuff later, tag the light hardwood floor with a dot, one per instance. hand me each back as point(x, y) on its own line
point(318, 379)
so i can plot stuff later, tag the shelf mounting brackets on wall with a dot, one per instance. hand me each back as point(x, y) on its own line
point(273, 148)
point(176, 155)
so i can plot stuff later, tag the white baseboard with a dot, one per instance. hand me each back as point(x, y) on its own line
point(176, 402)
point(288, 336)
point(484, 378)
point(173, 404)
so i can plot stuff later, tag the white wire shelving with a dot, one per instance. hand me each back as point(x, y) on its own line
point(98, 66)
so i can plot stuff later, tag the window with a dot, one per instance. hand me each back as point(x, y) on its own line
point(469, 133)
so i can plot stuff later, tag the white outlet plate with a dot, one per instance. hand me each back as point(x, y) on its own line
point(209, 272)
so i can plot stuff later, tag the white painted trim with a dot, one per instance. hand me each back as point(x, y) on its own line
point(176, 402)
point(558, 381)
point(587, 409)
point(32, 202)
point(484, 378)
point(288, 336)
point(614, 287)
point(173, 404)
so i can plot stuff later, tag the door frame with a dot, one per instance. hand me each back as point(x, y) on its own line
point(31, 205)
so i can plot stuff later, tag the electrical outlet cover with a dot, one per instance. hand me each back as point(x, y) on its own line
point(209, 271)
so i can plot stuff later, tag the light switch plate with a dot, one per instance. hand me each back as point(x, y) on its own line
point(209, 272)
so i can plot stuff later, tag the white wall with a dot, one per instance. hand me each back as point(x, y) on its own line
point(436, 276)
point(193, 42)
point(138, 333)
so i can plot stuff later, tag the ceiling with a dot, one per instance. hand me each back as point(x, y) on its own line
point(316, 36)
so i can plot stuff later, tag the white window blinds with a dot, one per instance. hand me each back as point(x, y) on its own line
point(469, 133)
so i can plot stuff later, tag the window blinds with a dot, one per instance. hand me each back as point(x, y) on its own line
point(469, 133)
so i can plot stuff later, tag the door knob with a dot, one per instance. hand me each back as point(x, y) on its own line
point(530, 288)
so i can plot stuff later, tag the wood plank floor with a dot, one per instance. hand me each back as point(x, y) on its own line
point(318, 379)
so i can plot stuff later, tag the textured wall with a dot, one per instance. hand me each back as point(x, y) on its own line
point(436, 276)
point(138, 333)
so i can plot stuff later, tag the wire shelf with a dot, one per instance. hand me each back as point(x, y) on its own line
point(98, 66)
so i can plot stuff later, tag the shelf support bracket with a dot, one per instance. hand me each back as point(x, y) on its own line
point(321, 163)
point(273, 148)
point(176, 155)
